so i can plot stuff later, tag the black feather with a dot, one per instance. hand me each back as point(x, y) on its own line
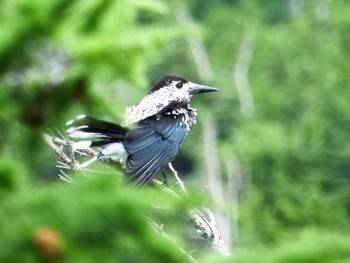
point(165, 81)
point(151, 145)
point(104, 127)
point(102, 132)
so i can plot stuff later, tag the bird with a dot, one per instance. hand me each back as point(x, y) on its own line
point(150, 136)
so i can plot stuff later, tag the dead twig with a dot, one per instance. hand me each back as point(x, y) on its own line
point(206, 228)
point(178, 180)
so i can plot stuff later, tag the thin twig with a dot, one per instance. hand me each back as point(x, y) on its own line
point(159, 229)
point(178, 180)
point(65, 177)
point(58, 150)
point(68, 163)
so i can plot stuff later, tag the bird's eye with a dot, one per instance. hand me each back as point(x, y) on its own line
point(179, 85)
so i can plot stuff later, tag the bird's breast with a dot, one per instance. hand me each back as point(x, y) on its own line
point(185, 117)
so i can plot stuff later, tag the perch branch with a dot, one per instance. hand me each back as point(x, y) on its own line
point(204, 227)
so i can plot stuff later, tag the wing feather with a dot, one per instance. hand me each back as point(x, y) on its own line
point(151, 145)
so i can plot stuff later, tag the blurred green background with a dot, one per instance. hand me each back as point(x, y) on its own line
point(270, 153)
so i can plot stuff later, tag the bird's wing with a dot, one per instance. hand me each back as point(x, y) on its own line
point(152, 145)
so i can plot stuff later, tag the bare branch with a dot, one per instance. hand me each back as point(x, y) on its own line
point(206, 228)
point(232, 194)
point(178, 180)
point(194, 38)
point(68, 162)
point(240, 76)
point(53, 143)
point(213, 178)
point(212, 163)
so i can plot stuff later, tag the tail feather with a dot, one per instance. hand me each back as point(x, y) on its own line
point(98, 131)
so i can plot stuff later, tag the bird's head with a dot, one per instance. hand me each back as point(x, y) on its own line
point(177, 89)
point(167, 92)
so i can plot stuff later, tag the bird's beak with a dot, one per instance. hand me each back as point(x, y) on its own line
point(197, 88)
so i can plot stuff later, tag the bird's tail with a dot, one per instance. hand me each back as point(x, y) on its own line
point(91, 132)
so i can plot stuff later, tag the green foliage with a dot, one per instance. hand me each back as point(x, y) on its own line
point(12, 177)
point(310, 246)
point(61, 58)
point(98, 219)
point(294, 148)
point(64, 58)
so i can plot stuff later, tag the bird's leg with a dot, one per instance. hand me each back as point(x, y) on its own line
point(165, 179)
